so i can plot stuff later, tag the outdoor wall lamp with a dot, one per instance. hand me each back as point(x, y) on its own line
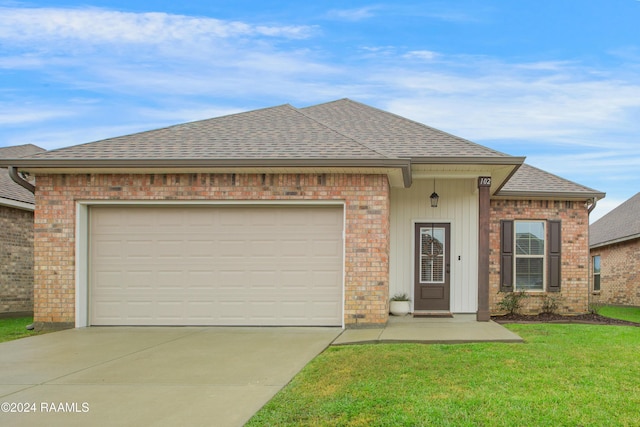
point(434, 196)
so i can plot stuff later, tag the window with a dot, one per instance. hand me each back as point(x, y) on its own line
point(529, 255)
point(596, 273)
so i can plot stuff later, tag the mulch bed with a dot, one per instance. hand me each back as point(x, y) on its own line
point(589, 318)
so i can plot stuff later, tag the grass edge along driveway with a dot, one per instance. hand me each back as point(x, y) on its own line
point(13, 328)
point(562, 375)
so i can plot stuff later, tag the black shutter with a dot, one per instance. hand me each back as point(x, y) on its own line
point(555, 249)
point(506, 256)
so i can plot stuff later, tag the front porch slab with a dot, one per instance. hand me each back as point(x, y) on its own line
point(461, 328)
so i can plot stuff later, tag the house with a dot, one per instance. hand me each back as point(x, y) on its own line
point(614, 242)
point(298, 216)
point(16, 239)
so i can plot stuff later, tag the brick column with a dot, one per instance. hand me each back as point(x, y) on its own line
point(484, 187)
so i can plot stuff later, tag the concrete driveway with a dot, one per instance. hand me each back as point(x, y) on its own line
point(151, 376)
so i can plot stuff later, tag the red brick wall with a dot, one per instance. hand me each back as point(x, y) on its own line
point(619, 273)
point(575, 251)
point(16, 260)
point(366, 239)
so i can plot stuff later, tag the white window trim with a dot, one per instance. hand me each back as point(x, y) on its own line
point(543, 256)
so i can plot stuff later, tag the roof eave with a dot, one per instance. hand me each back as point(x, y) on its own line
point(546, 195)
point(614, 241)
point(64, 165)
point(506, 160)
point(16, 204)
point(26, 164)
point(497, 161)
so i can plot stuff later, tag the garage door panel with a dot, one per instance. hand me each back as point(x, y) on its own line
point(263, 248)
point(326, 248)
point(216, 266)
point(201, 279)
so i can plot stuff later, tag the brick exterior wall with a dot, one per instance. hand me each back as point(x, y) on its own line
point(16, 260)
point(574, 258)
point(366, 227)
point(619, 273)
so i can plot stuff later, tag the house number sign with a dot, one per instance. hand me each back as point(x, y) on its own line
point(484, 181)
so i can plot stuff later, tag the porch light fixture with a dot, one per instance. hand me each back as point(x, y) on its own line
point(434, 196)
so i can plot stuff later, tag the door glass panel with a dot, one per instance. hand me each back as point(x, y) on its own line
point(432, 252)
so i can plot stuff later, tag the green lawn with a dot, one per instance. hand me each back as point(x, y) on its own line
point(563, 375)
point(631, 314)
point(12, 329)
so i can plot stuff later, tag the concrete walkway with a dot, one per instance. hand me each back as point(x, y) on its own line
point(196, 376)
point(150, 376)
point(462, 328)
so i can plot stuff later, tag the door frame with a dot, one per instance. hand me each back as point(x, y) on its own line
point(414, 223)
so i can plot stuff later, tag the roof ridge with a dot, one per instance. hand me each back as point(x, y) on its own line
point(360, 104)
point(380, 152)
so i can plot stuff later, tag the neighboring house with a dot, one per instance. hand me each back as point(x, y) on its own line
point(16, 238)
point(298, 216)
point(614, 241)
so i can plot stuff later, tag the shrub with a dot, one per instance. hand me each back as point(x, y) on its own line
point(512, 302)
point(551, 304)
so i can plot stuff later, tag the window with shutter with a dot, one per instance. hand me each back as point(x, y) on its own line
point(530, 255)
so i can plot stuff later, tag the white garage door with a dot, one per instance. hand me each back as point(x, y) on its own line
point(215, 265)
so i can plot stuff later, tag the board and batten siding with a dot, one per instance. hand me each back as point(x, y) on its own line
point(458, 205)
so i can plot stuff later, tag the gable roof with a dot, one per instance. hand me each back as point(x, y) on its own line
point(341, 129)
point(619, 225)
point(12, 194)
point(342, 135)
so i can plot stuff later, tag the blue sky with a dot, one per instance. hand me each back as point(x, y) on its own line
point(556, 81)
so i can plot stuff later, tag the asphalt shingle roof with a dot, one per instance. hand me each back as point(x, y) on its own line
point(393, 134)
point(622, 223)
point(9, 189)
point(532, 181)
point(281, 132)
point(341, 129)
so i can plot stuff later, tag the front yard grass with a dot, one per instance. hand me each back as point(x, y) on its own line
point(563, 374)
point(632, 314)
point(14, 328)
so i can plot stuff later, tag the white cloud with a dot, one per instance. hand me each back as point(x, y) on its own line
point(421, 54)
point(98, 26)
point(159, 69)
point(12, 115)
point(490, 100)
point(146, 54)
point(352, 14)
